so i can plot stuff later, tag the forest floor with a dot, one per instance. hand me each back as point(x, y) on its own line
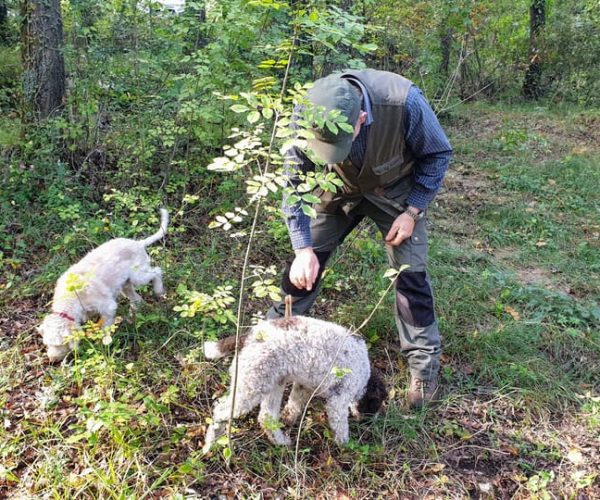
point(515, 264)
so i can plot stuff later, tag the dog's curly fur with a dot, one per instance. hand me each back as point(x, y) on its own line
point(119, 265)
point(316, 356)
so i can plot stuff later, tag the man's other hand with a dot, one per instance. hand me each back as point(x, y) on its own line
point(402, 228)
point(305, 269)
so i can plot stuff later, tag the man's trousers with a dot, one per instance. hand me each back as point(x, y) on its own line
point(414, 312)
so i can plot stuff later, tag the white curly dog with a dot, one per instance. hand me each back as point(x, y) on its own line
point(316, 357)
point(92, 285)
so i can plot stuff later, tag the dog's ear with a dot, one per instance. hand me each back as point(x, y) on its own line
point(375, 394)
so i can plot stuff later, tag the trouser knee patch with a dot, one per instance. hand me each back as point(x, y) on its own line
point(414, 299)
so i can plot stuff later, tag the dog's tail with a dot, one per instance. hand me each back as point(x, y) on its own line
point(223, 347)
point(164, 222)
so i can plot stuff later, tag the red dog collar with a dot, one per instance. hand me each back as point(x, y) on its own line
point(64, 315)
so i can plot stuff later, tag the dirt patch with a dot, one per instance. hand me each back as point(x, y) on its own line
point(465, 190)
point(18, 317)
point(510, 134)
point(534, 276)
point(530, 276)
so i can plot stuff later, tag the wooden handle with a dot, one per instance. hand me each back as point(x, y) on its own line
point(288, 306)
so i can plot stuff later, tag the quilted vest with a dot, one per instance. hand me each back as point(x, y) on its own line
point(387, 159)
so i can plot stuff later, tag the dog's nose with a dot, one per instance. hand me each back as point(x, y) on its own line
point(56, 354)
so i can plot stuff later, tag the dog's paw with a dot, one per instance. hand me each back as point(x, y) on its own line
point(134, 305)
point(286, 441)
point(342, 438)
point(279, 438)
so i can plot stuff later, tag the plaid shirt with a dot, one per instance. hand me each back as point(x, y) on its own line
point(424, 136)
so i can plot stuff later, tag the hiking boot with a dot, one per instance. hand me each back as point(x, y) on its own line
point(421, 392)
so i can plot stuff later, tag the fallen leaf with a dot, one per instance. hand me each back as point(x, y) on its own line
point(194, 431)
point(433, 468)
point(513, 450)
point(515, 314)
point(466, 369)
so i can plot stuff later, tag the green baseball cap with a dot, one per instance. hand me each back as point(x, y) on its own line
point(334, 93)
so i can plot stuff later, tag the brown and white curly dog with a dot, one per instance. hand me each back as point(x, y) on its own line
point(313, 355)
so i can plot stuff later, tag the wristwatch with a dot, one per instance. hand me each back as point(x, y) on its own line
point(414, 215)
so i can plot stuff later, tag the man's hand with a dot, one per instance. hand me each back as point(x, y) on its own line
point(305, 269)
point(402, 228)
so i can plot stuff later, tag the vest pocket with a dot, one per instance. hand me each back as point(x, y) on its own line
point(388, 166)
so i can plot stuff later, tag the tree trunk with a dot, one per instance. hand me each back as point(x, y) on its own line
point(43, 63)
point(3, 22)
point(202, 37)
point(532, 88)
point(446, 37)
point(445, 48)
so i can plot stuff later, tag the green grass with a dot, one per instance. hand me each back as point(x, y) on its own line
point(514, 264)
point(9, 132)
